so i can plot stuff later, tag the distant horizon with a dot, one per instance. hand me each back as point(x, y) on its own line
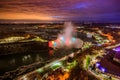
point(50, 21)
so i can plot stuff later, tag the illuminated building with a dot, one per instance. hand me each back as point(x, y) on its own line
point(117, 54)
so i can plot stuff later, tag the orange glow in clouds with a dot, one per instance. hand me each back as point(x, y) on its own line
point(30, 16)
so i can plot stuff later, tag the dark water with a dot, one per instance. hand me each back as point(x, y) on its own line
point(12, 62)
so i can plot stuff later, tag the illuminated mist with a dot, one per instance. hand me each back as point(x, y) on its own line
point(67, 38)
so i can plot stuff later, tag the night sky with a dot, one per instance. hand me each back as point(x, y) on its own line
point(86, 10)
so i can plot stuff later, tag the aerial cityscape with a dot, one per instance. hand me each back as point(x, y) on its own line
point(60, 40)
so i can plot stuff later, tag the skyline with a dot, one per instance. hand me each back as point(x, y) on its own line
point(60, 10)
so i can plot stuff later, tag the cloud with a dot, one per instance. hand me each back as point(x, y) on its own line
point(60, 9)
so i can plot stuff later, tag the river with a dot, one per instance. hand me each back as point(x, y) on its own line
point(13, 61)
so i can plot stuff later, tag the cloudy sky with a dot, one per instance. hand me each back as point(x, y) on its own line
point(94, 10)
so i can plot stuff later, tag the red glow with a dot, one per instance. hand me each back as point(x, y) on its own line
point(67, 42)
point(50, 43)
point(50, 52)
